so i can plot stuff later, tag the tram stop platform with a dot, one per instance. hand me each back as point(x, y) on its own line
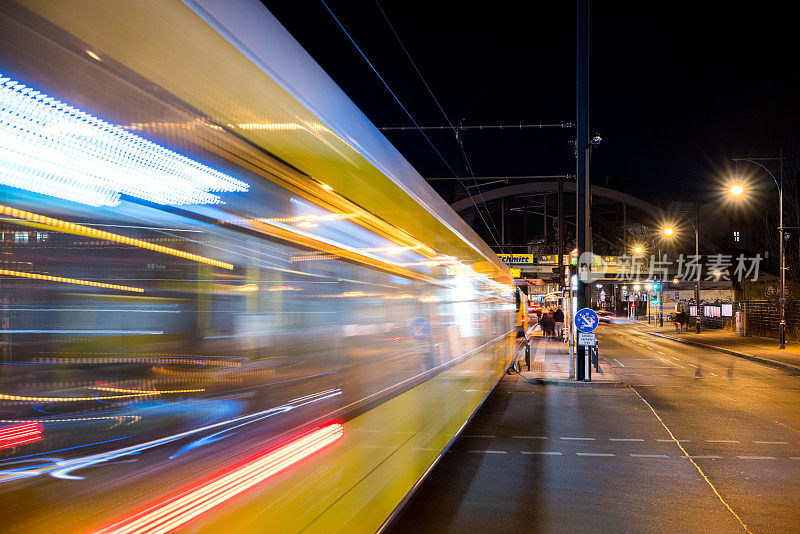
point(549, 364)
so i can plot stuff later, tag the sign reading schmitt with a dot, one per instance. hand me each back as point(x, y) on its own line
point(516, 259)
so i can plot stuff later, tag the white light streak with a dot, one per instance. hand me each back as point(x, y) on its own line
point(51, 148)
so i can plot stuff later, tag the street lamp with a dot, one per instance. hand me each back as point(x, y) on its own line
point(669, 231)
point(737, 190)
point(638, 249)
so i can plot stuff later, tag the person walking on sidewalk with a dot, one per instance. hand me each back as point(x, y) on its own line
point(547, 324)
point(558, 319)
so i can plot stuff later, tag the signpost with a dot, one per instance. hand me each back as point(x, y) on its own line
point(586, 322)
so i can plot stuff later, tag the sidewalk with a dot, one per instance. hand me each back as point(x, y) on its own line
point(550, 365)
point(761, 349)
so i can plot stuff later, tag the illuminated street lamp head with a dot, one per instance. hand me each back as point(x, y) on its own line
point(649, 287)
point(637, 287)
point(737, 190)
point(668, 231)
point(638, 249)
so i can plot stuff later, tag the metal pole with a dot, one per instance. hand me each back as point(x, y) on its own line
point(525, 226)
point(544, 221)
point(561, 233)
point(699, 273)
point(582, 163)
point(624, 228)
point(503, 223)
point(782, 298)
point(660, 295)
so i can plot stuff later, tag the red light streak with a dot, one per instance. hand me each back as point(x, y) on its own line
point(175, 511)
point(15, 435)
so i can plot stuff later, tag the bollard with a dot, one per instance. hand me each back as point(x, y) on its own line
point(528, 354)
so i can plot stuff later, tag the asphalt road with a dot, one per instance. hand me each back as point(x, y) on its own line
point(700, 442)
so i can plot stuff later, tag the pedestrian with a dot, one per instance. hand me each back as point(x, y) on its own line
point(547, 324)
point(558, 319)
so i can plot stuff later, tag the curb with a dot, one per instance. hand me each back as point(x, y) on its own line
point(575, 384)
point(758, 359)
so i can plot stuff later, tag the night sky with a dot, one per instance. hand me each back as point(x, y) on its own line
point(676, 89)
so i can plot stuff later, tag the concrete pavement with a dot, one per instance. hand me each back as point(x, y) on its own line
point(701, 441)
point(756, 348)
point(550, 360)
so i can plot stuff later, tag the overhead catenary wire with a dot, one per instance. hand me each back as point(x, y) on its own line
point(450, 124)
point(403, 107)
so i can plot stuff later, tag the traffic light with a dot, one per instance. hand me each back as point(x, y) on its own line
point(656, 285)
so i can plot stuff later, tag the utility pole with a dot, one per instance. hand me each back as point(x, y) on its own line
point(782, 299)
point(699, 316)
point(582, 185)
point(561, 235)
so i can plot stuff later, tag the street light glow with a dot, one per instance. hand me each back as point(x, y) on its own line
point(668, 231)
point(637, 287)
point(737, 190)
point(638, 249)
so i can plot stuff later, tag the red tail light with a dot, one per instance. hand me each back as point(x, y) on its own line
point(15, 435)
point(175, 511)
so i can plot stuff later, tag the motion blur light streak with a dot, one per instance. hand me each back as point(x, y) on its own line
point(146, 392)
point(77, 229)
point(177, 510)
point(61, 279)
point(135, 393)
point(15, 435)
point(51, 148)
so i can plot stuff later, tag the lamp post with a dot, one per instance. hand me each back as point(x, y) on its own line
point(736, 191)
point(670, 232)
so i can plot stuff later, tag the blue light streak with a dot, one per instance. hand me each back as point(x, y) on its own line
point(51, 148)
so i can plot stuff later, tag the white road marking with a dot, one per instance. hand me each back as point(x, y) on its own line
point(712, 374)
point(672, 440)
point(578, 439)
point(701, 457)
point(794, 457)
point(771, 442)
point(649, 455)
point(669, 362)
point(625, 439)
point(699, 469)
point(489, 452)
point(721, 441)
point(658, 351)
point(693, 365)
point(594, 454)
point(673, 357)
point(756, 457)
point(618, 362)
point(543, 453)
point(477, 436)
point(529, 437)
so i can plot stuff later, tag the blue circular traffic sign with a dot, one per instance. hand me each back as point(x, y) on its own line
point(419, 329)
point(586, 320)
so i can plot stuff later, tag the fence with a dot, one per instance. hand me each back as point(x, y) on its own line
point(763, 318)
